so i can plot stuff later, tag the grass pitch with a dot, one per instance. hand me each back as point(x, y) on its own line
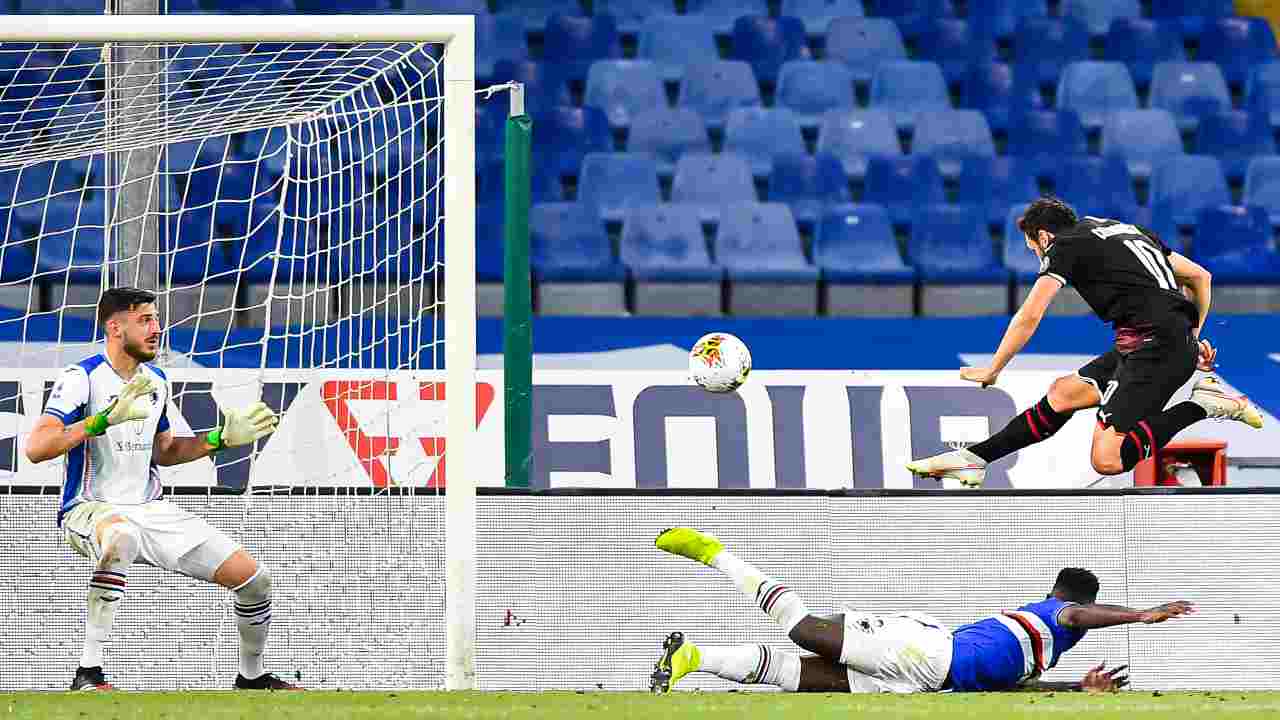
point(567, 706)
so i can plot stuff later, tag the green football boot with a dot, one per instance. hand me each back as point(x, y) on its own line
point(679, 658)
point(690, 543)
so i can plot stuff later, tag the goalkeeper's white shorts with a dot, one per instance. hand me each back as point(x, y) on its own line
point(170, 538)
point(898, 653)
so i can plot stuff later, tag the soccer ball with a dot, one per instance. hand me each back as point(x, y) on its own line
point(719, 362)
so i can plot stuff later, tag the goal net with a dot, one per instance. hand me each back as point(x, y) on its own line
point(287, 187)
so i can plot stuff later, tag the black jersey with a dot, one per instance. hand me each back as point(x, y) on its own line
point(1123, 272)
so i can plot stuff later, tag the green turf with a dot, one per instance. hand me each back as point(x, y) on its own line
point(730, 706)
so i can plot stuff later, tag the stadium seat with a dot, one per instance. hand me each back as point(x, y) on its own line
point(1237, 44)
point(445, 7)
point(998, 19)
point(949, 136)
point(1047, 132)
point(259, 7)
point(716, 88)
point(1000, 93)
point(765, 263)
point(544, 86)
point(571, 44)
point(722, 13)
point(857, 253)
point(949, 43)
point(70, 236)
point(854, 136)
point(863, 43)
point(491, 121)
point(343, 7)
point(712, 181)
point(909, 87)
point(17, 262)
point(545, 182)
point(43, 7)
point(490, 258)
point(535, 13)
point(1097, 15)
point(766, 43)
point(1234, 243)
point(1097, 186)
point(996, 183)
point(1096, 89)
point(1263, 92)
point(664, 248)
point(1046, 45)
point(674, 42)
point(1234, 138)
point(573, 262)
point(758, 134)
point(563, 136)
point(1262, 185)
point(667, 134)
point(1189, 91)
point(913, 15)
point(818, 14)
point(1182, 185)
point(808, 184)
point(1141, 43)
point(498, 37)
point(623, 88)
point(1140, 137)
point(810, 88)
point(951, 249)
point(903, 185)
point(632, 15)
point(613, 182)
point(1192, 15)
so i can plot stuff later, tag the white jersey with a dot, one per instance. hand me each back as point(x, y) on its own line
point(115, 467)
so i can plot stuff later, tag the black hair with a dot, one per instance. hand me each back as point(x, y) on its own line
point(118, 299)
point(1076, 585)
point(1047, 213)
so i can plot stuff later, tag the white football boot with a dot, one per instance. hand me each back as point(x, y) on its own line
point(1210, 394)
point(960, 465)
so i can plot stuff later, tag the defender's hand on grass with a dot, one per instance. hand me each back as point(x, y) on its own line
point(1208, 354)
point(1164, 612)
point(984, 376)
point(1100, 680)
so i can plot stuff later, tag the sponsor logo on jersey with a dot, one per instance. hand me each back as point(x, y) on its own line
point(129, 446)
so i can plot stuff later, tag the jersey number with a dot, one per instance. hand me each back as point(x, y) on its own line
point(1152, 259)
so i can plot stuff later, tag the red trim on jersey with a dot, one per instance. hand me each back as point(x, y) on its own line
point(1037, 642)
point(1137, 443)
point(1032, 424)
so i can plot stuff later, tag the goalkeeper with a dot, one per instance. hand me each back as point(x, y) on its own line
point(107, 414)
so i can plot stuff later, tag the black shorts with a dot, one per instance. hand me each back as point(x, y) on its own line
point(1137, 384)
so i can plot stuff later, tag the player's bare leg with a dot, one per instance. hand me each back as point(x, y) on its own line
point(119, 543)
point(1066, 395)
point(251, 583)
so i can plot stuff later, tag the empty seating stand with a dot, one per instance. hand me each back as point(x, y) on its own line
point(765, 263)
point(862, 270)
point(1234, 243)
point(671, 269)
point(573, 262)
point(951, 248)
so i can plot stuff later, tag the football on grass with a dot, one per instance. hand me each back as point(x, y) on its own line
point(719, 362)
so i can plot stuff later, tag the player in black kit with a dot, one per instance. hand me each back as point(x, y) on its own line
point(1156, 299)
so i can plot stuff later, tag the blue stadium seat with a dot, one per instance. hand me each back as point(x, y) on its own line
point(998, 19)
point(1016, 256)
point(810, 88)
point(1263, 92)
point(949, 43)
point(563, 136)
point(1098, 186)
point(359, 7)
point(665, 243)
point(1192, 16)
point(1262, 185)
point(950, 245)
point(1141, 43)
point(1047, 132)
point(950, 136)
point(71, 237)
point(1046, 45)
point(1189, 91)
point(675, 42)
point(759, 242)
point(1181, 186)
point(633, 14)
point(854, 136)
point(722, 13)
point(1097, 15)
point(667, 134)
point(716, 88)
point(758, 134)
point(491, 121)
point(535, 13)
point(1234, 138)
point(903, 185)
point(863, 43)
point(1096, 89)
point(572, 43)
point(490, 255)
point(1000, 93)
point(568, 243)
point(712, 181)
point(445, 7)
point(1237, 44)
point(544, 182)
point(499, 37)
point(808, 184)
point(766, 43)
point(17, 262)
point(1234, 243)
point(1141, 137)
point(912, 15)
point(68, 7)
point(909, 87)
point(854, 244)
point(995, 184)
point(544, 86)
point(613, 182)
point(623, 88)
point(257, 7)
point(818, 14)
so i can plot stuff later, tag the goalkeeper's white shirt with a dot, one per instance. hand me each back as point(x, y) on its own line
point(114, 467)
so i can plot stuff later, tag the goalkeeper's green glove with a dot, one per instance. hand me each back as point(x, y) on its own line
point(243, 427)
point(133, 403)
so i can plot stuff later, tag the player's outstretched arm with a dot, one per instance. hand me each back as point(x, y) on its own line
point(1098, 679)
point(241, 428)
point(50, 438)
point(1090, 617)
point(1021, 328)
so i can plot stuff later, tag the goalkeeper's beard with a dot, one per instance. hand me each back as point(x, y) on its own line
point(138, 351)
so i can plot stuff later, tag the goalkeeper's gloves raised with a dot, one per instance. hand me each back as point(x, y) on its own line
point(133, 403)
point(243, 427)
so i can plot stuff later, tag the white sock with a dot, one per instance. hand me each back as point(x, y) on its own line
point(120, 545)
point(253, 621)
point(775, 599)
point(752, 664)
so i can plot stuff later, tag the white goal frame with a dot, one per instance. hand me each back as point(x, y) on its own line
point(457, 34)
